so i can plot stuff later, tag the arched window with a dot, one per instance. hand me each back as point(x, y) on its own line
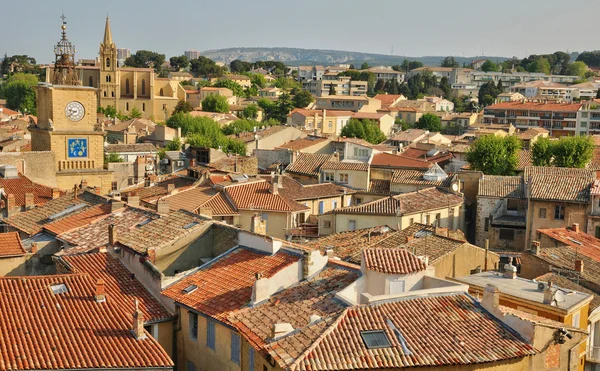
point(143, 87)
point(112, 94)
point(162, 93)
point(143, 106)
point(126, 106)
point(107, 78)
point(91, 83)
point(104, 94)
point(127, 86)
point(107, 62)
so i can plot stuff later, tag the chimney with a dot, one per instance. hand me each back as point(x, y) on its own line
point(162, 207)
point(10, 204)
point(575, 227)
point(133, 201)
point(29, 201)
point(206, 211)
point(55, 193)
point(281, 329)
point(100, 295)
point(138, 323)
point(170, 187)
point(329, 252)
point(491, 298)
point(75, 190)
point(258, 225)
point(261, 289)
point(112, 234)
point(579, 266)
point(487, 250)
point(275, 186)
point(535, 247)
point(510, 271)
point(193, 162)
point(116, 205)
point(548, 294)
point(34, 247)
point(83, 184)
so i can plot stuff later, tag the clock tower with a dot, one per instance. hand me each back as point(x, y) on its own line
point(67, 126)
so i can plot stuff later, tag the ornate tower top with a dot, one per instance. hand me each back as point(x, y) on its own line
point(64, 64)
point(107, 34)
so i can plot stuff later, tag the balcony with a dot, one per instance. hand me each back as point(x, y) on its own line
point(593, 354)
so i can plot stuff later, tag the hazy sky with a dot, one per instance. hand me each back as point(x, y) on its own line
point(414, 28)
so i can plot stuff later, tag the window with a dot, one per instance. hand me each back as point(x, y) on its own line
point(114, 186)
point(334, 204)
point(326, 223)
point(143, 87)
point(507, 234)
point(193, 326)
point(597, 231)
point(487, 224)
point(265, 368)
point(575, 320)
point(112, 94)
point(190, 366)
point(107, 78)
point(512, 205)
point(161, 93)
point(107, 62)
point(438, 219)
point(358, 200)
point(343, 178)
point(321, 207)
point(375, 339)
point(329, 177)
point(126, 86)
point(330, 124)
point(265, 217)
point(542, 213)
point(251, 359)
point(59, 288)
point(427, 219)
point(559, 212)
point(143, 106)
point(91, 81)
point(104, 94)
point(210, 334)
point(127, 106)
point(351, 225)
point(235, 348)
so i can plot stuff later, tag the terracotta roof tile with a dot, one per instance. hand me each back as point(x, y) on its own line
point(302, 143)
point(501, 186)
point(160, 188)
point(190, 199)
point(298, 192)
point(416, 177)
point(399, 161)
point(392, 261)
point(524, 159)
point(225, 285)
point(10, 245)
point(78, 220)
point(409, 135)
point(308, 164)
point(22, 185)
point(379, 186)
point(258, 196)
point(345, 165)
point(69, 330)
point(560, 188)
point(120, 284)
point(220, 205)
point(406, 203)
point(447, 340)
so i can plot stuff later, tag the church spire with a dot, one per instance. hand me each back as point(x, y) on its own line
point(107, 34)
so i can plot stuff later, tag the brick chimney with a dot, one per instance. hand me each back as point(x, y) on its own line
point(162, 207)
point(579, 266)
point(10, 204)
point(170, 187)
point(29, 201)
point(112, 234)
point(575, 227)
point(535, 247)
point(75, 190)
point(258, 225)
point(133, 201)
point(138, 323)
point(55, 193)
point(100, 294)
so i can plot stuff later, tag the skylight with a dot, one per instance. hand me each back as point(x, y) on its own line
point(575, 241)
point(188, 226)
point(143, 223)
point(59, 288)
point(189, 289)
point(375, 339)
point(67, 211)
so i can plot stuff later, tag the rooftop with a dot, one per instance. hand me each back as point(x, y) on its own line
point(22, 185)
point(78, 220)
point(345, 165)
point(303, 143)
point(392, 261)
point(10, 245)
point(399, 161)
point(259, 196)
point(416, 177)
point(308, 164)
point(409, 135)
point(501, 186)
point(133, 147)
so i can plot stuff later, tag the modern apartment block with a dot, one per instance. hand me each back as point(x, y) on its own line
point(192, 54)
point(342, 85)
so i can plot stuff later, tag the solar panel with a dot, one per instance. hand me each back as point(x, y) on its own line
point(59, 288)
point(375, 339)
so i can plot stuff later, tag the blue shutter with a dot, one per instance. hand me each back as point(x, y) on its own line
point(235, 348)
point(210, 334)
point(321, 207)
point(251, 359)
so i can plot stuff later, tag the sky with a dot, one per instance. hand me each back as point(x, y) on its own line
point(413, 28)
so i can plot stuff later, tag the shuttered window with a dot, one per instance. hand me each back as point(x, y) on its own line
point(235, 348)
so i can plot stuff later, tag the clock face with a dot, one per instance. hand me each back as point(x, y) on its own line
point(74, 111)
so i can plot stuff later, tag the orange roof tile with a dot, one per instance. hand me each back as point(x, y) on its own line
point(69, 330)
point(258, 196)
point(399, 161)
point(308, 164)
point(78, 220)
point(225, 286)
point(10, 245)
point(392, 261)
point(22, 185)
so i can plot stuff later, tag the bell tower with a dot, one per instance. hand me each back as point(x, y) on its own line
point(109, 92)
point(64, 63)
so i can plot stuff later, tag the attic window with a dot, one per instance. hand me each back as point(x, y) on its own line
point(143, 223)
point(375, 339)
point(188, 226)
point(59, 288)
point(189, 289)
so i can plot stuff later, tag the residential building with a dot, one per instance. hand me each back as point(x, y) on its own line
point(530, 136)
point(510, 97)
point(19, 193)
point(225, 92)
point(384, 121)
point(270, 92)
point(308, 144)
point(269, 138)
point(323, 122)
point(586, 90)
point(439, 103)
point(243, 80)
point(428, 206)
point(122, 55)
point(192, 54)
point(14, 258)
point(389, 100)
point(306, 169)
point(342, 85)
point(352, 173)
point(310, 73)
point(407, 180)
point(129, 132)
point(360, 103)
point(544, 89)
point(386, 73)
point(193, 98)
point(408, 137)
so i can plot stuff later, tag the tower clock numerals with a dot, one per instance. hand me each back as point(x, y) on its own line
point(74, 111)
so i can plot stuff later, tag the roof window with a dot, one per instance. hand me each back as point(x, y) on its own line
point(59, 288)
point(189, 289)
point(375, 339)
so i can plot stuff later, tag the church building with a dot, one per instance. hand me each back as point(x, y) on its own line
point(126, 88)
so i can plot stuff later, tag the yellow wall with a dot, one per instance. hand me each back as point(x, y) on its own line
point(15, 266)
point(574, 213)
point(277, 222)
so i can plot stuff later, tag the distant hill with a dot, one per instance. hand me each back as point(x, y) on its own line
point(296, 56)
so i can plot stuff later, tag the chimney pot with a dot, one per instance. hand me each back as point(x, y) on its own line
point(55, 193)
point(29, 201)
point(535, 247)
point(170, 187)
point(138, 323)
point(510, 271)
point(491, 298)
point(575, 227)
point(112, 234)
point(548, 294)
point(100, 295)
point(579, 266)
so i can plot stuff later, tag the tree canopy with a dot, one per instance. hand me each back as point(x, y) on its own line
point(179, 63)
point(236, 88)
point(278, 110)
point(487, 93)
point(302, 99)
point(215, 103)
point(407, 65)
point(449, 62)
point(569, 151)
point(494, 155)
point(363, 129)
point(206, 67)
point(429, 122)
point(590, 58)
point(578, 68)
point(19, 91)
point(182, 106)
point(489, 66)
point(146, 58)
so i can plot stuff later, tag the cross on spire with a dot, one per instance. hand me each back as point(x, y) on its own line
point(63, 18)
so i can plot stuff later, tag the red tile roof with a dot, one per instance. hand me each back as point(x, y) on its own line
point(10, 245)
point(387, 99)
point(120, 284)
point(437, 331)
point(392, 261)
point(22, 185)
point(308, 164)
point(501, 186)
point(345, 165)
point(399, 161)
point(296, 191)
point(535, 106)
point(584, 243)
point(78, 220)
point(379, 186)
point(225, 286)
point(221, 206)
point(258, 196)
point(416, 177)
point(302, 143)
point(69, 330)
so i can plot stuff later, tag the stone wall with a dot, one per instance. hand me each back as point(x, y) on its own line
point(267, 157)
point(38, 166)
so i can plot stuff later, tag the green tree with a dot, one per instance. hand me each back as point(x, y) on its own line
point(250, 112)
point(500, 87)
point(287, 83)
point(174, 145)
point(236, 88)
point(494, 155)
point(146, 58)
point(364, 66)
point(109, 111)
point(569, 151)
point(429, 122)
point(449, 62)
point(240, 126)
point(179, 63)
point(206, 67)
point(5, 66)
point(19, 91)
point(539, 65)
point(407, 65)
point(182, 106)
point(302, 99)
point(363, 129)
point(135, 113)
point(590, 58)
point(489, 66)
point(402, 124)
point(445, 87)
point(487, 100)
point(490, 89)
point(258, 80)
point(541, 152)
point(215, 103)
point(332, 89)
point(112, 157)
point(577, 69)
point(238, 66)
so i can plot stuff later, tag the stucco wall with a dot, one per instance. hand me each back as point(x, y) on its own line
point(40, 167)
point(277, 222)
point(574, 213)
point(463, 260)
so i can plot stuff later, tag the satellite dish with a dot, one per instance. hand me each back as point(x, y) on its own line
point(541, 286)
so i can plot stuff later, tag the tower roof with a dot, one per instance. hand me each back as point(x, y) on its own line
point(107, 34)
